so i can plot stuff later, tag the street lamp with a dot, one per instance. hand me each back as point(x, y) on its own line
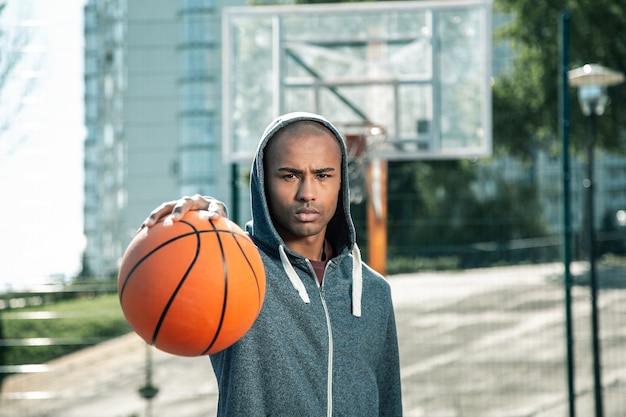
point(592, 81)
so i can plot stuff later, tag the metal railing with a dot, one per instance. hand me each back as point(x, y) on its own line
point(13, 304)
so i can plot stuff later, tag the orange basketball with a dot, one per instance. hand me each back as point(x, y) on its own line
point(191, 288)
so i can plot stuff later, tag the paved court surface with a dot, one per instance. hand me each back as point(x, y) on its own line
point(477, 343)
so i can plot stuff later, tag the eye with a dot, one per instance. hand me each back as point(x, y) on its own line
point(323, 176)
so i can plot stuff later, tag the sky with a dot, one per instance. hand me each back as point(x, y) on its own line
point(41, 175)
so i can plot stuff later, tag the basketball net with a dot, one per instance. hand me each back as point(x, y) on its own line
point(361, 142)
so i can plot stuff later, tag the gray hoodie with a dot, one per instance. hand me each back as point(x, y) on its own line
point(316, 349)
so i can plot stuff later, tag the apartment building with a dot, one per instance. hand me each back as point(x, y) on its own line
point(152, 113)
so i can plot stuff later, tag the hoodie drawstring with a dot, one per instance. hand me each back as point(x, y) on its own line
point(357, 281)
point(357, 278)
point(293, 277)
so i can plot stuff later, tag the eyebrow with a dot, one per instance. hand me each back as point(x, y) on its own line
point(299, 171)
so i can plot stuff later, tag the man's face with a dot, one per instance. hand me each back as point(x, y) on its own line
point(303, 179)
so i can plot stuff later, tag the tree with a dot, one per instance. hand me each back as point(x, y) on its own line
point(526, 99)
point(11, 44)
point(436, 210)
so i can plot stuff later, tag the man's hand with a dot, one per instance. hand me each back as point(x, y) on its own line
point(172, 211)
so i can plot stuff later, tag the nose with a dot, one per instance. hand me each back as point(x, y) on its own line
point(306, 190)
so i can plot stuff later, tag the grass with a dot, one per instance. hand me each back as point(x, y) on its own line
point(34, 335)
point(405, 264)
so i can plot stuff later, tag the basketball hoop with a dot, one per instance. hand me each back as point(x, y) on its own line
point(361, 140)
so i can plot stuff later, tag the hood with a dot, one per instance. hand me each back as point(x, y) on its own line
point(340, 231)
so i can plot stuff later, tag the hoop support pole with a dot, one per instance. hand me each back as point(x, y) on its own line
point(377, 214)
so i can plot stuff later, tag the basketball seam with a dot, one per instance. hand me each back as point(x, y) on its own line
point(157, 248)
point(182, 281)
point(155, 335)
point(146, 256)
point(256, 278)
point(225, 297)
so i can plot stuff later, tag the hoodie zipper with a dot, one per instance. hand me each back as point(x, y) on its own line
point(329, 382)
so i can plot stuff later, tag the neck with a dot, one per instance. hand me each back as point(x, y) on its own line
point(313, 250)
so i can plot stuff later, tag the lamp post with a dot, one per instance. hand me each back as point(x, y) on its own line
point(592, 81)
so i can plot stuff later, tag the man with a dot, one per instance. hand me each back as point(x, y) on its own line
point(325, 341)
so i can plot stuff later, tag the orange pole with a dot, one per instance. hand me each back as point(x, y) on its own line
point(377, 215)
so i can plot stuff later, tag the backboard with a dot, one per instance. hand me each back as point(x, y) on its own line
point(416, 74)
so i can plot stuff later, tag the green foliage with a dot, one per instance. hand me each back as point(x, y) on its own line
point(438, 208)
point(525, 101)
point(408, 264)
point(84, 319)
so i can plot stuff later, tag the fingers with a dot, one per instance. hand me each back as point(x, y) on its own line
point(157, 214)
point(213, 211)
point(182, 206)
point(216, 209)
point(175, 210)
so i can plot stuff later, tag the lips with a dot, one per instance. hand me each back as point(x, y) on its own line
point(307, 214)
